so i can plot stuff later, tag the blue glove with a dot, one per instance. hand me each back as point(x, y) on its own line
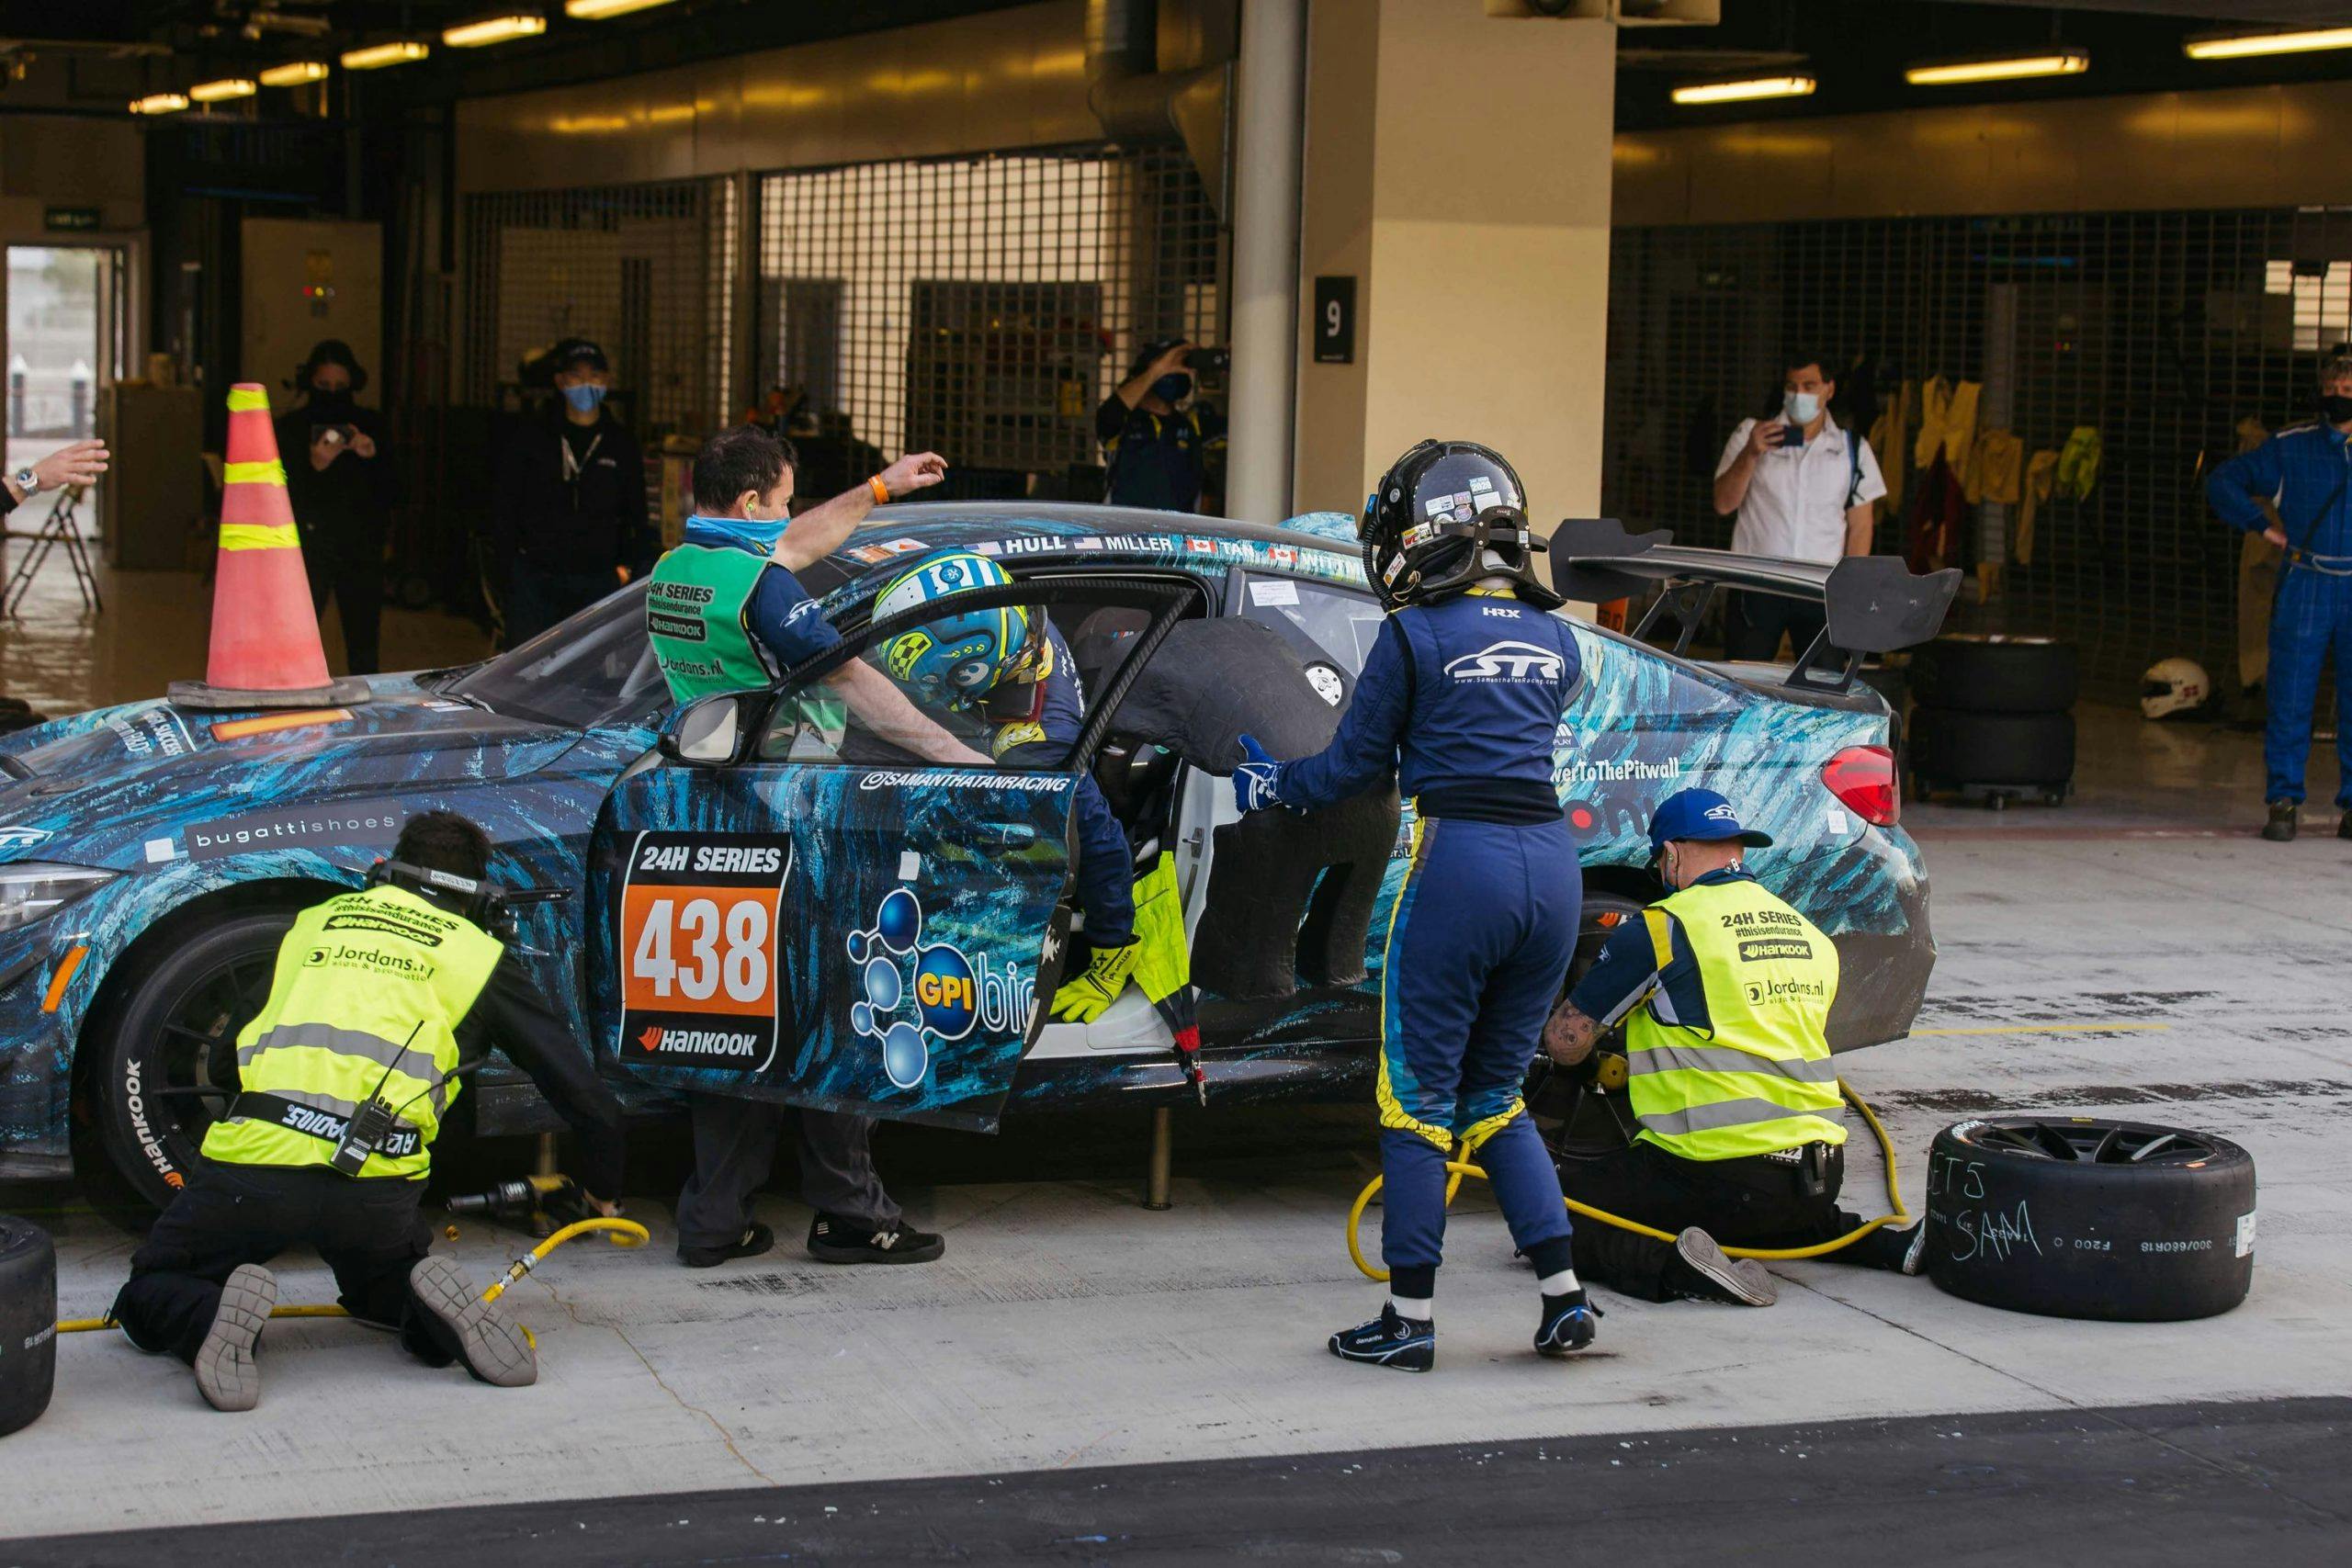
point(1253, 781)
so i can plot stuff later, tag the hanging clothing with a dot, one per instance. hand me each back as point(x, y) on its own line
point(1889, 438)
point(1946, 421)
point(1932, 540)
point(2259, 561)
point(2078, 461)
point(2040, 481)
point(1995, 468)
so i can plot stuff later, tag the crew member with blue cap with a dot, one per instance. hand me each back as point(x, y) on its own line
point(1459, 706)
point(1724, 991)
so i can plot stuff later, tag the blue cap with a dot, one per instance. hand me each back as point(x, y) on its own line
point(1703, 814)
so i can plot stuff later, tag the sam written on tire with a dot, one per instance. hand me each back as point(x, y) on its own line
point(27, 1322)
point(1977, 673)
point(2074, 1216)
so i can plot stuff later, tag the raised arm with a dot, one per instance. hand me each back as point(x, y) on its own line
point(822, 530)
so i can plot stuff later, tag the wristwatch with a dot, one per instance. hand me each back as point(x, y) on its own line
point(27, 481)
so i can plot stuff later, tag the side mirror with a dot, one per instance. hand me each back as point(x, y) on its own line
point(709, 731)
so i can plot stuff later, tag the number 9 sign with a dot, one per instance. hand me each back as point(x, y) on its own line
point(699, 951)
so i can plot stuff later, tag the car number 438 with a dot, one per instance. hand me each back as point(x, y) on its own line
point(692, 949)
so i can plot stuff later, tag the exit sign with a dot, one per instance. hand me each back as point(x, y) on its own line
point(70, 219)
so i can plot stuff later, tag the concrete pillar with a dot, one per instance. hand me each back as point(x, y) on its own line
point(1268, 107)
point(1458, 167)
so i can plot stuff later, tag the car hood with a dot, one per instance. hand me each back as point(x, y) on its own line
point(93, 788)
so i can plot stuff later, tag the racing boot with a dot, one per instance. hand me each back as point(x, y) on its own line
point(1700, 1272)
point(757, 1238)
point(1569, 1325)
point(491, 1344)
point(832, 1239)
point(2280, 829)
point(1406, 1344)
point(225, 1371)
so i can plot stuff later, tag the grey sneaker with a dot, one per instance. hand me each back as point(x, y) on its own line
point(490, 1343)
point(1741, 1281)
point(226, 1373)
point(2280, 828)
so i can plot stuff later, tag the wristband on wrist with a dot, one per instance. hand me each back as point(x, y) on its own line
point(881, 491)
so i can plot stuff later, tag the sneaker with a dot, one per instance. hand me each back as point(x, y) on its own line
point(1569, 1325)
point(832, 1239)
point(1897, 1251)
point(1406, 1344)
point(2280, 829)
point(492, 1346)
point(226, 1373)
point(2344, 826)
point(1703, 1274)
point(757, 1238)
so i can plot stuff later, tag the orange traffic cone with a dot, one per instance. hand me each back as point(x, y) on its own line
point(265, 646)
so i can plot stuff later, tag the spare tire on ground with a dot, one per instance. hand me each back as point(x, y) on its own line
point(27, 1322)
point(1952, 748)
point(2072, 1216)
point(1978, 672)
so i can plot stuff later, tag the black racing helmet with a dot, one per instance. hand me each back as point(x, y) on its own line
point(1439, 513)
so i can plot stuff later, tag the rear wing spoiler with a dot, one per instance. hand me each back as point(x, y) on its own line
point(1874, 604)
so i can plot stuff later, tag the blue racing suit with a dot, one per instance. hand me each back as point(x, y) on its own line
point(2306, 473)
point(1460, 701)
point(1105, 867)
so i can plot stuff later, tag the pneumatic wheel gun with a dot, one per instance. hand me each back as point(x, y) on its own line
point(541, 1204)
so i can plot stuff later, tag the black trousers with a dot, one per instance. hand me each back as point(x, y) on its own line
point(368, 1231)
point(1753, 624)
point(355, 579)
point(1740, 1203)
point(735, 1154)
point(537, 597)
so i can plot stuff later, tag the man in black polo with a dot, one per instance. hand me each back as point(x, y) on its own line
point(1166, 449)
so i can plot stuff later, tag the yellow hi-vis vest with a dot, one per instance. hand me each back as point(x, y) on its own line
point(1762, 1080)
point(369, 989)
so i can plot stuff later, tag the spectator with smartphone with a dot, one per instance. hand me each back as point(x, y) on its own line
point(569, 519)
point(1166, 448)
point(1802, 487)
point(341, 489)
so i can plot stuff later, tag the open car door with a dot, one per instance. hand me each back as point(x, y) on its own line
point(794, 903)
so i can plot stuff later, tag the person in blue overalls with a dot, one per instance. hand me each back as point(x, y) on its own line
point(2304, 471)
point(1459, 702)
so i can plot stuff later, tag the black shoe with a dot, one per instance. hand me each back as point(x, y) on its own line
point(1406, 1344)
point(836, 1240)
point(1897, 1251)
point(2344, 826)
point(756, 1240)
point(2280, 829)
point(1569, 1325)
point(1701, 1273)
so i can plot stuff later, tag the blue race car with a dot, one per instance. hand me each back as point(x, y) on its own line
point(756, 896)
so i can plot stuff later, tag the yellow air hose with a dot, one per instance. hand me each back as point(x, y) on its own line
point(1457, 1169)
point(623, 1232)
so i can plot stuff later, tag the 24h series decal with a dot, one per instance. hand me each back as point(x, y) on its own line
point(699, 917)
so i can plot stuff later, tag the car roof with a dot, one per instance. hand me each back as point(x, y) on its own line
point(1114, 535)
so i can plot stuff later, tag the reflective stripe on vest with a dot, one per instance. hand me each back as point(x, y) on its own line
point(368, 994)
point(1762, 1079)
point(695, 608)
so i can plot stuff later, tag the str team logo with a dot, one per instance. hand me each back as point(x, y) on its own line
point(907, 1007)
point(1507, 661)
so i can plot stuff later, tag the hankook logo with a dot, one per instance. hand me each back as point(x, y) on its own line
point(1507, 661)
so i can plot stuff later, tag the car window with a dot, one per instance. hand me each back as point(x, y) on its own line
point(1332, 629)
point(593, 667)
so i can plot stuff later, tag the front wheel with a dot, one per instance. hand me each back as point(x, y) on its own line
point(1575, 1116)
point(164, 1056)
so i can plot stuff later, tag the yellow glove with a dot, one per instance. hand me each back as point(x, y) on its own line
point(1087, 998)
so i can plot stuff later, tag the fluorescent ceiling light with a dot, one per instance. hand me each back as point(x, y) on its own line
point(494, 29)
point(2239, 46)
point(597, 10)
point(2012, 68)
point(226, 87)
point(1751, 87)
point(294, 73)
point(159, 103)
point(377, 55)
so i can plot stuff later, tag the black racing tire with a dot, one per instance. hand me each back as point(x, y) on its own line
point(163, 1053)
point(1952, 748)
point(2074, 1216)
point(1979, 672)
point(27, 1322)
point(1577, 1118)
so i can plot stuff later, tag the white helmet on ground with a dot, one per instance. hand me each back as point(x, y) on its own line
point(2174, 685)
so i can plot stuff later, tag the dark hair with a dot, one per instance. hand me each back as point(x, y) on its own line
point(443, 840)
point(331, 351)
point(1799, 357)
point(746, 457)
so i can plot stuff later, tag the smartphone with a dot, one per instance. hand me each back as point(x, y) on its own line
point(333, 435)
point(1792, 434)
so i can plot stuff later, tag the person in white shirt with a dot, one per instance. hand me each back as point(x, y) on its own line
point(1803, 486)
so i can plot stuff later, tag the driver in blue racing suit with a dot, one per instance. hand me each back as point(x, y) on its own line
point(1459, 700)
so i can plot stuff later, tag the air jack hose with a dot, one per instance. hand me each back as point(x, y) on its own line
point(624, 1232)
point(1457, 1169)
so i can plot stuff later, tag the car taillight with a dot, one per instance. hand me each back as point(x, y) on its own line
point(1863, 777)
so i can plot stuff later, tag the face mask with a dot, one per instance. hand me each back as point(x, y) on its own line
point(1802, 408)
point(338, 400)
point(1173, 389)
point(757, 535)
point(2337, 407)
point(584, 396)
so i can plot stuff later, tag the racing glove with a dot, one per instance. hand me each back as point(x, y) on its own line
point(1253, 780)
point(1087, 998)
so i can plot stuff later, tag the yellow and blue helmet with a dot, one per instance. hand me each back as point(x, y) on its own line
point(955, 661)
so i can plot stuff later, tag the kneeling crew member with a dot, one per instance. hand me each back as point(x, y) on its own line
point(1458, 702)
point(381, 998)
point(1725, 993)
point(726, 614)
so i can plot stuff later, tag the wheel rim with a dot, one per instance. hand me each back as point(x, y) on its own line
point(1589, 1124)
point(192, 1058)
point(2096, 1143)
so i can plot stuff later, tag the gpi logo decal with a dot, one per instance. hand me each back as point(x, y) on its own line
point(911, 995)
point(1507, 661)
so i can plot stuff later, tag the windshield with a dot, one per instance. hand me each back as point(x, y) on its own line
point(595, 668)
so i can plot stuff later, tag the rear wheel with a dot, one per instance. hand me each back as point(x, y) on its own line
point(1579, 1119)
point(164, 1056)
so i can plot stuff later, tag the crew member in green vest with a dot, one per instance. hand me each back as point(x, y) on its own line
point(1724, 994)
point(381, 998)
point(726, 614)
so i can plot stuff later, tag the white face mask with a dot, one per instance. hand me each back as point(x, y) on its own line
point(1802, 408)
